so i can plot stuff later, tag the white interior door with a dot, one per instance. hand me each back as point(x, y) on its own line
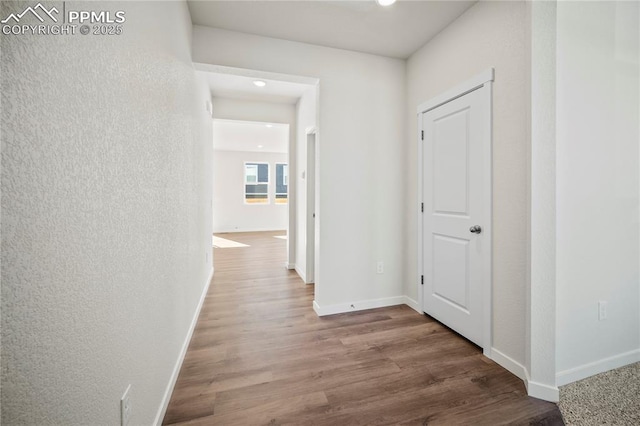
point(456, 137)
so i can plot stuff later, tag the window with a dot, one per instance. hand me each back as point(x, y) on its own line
point(251, 173)
point(282, 181)
point(256, 183)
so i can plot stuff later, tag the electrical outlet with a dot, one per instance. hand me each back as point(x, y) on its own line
point(380, 267)
point(602, 310)
point(125, 407)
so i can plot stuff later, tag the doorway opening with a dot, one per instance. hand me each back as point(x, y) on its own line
point(250, 176)
point(279, 100)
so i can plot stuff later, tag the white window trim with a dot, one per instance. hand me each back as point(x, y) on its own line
point(245, 183)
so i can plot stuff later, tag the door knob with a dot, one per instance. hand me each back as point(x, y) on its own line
point(475, 229)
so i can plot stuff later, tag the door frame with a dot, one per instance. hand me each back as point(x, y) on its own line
point(484, 83)
point(311, 182)
point(209, 69)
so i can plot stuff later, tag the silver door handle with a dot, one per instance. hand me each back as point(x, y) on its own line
point(475, 229)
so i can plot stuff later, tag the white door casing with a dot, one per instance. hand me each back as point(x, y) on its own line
point(311, 207)
point(455, 165)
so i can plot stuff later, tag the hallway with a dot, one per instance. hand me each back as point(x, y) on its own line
point(260, 355)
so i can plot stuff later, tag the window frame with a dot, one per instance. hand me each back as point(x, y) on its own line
point(257, 182)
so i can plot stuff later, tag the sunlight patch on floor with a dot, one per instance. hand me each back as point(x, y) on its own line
point(219, 242)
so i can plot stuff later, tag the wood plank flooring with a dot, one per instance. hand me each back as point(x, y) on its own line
point(261, 356)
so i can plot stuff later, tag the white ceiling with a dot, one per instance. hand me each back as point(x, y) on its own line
point(232, 135)
point(361, 25)
point(242, 87)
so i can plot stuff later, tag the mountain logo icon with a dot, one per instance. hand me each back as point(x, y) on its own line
point(34, 11)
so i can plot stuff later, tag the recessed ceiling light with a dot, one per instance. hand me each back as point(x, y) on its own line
point(269, 125)
point(260, 146)
point(385, 2)
point(259, 83)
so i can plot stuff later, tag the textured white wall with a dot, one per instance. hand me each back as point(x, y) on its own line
point(230, 213)
point(106, 198)
point(489, 34)
point(597, 186)
point(361, 127)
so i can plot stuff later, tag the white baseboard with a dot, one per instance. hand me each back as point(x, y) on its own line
point(511, 365)
point(413, 304)
point(542, 391)
point(357, 306)
point(301, 274)
point(534, 389)
point(316, 308)
point(231, 231)
point(176, 369)
point(290, 266)
point(597, 367)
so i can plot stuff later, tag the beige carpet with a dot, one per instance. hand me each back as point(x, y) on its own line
point(219, 242)
point(611, 398)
